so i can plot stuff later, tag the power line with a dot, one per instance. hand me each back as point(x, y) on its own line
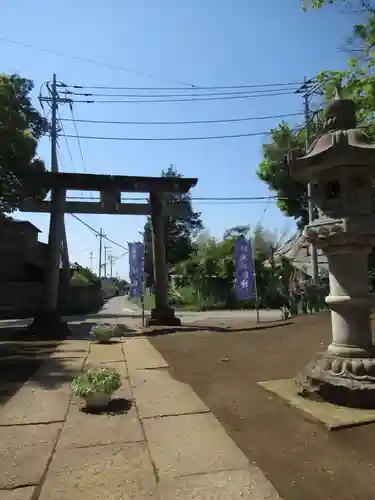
point(98, 232)
point(93, 61)
point(190, 94)
point(198, 138)
point(77, 135)
point(192, 122)
point(200, 199)
point(196, 99)
point(66, 140)
point(210, 87)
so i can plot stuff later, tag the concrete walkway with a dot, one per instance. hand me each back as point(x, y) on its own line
point(165, 444)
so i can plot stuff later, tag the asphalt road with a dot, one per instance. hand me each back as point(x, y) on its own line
point(119, 309)
point(192, 316)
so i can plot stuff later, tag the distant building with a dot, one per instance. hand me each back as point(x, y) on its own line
point(298, 252)
point(22, 272)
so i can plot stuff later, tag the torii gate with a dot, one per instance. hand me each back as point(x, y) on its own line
point(110, 188)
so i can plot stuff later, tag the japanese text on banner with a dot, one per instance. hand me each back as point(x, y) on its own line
point(245, 278)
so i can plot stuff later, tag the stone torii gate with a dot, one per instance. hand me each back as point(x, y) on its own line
point(110, 188)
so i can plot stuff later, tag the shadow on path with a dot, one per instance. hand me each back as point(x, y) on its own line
point(117, 406)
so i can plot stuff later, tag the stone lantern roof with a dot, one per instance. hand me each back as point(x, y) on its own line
point(340, 144)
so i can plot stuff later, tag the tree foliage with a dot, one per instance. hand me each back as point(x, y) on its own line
point(21, 126)
point(357, 82)
point(209, 272)
point(292, 196)
point(180, 231)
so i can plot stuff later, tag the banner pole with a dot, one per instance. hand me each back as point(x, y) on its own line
point(255, 282)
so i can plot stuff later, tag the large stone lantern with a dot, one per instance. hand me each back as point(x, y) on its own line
point(340, 166)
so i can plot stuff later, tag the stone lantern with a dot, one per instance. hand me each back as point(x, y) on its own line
point(340, 165)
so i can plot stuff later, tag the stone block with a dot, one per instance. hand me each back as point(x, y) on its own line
point(330, 415)
point(249, 484)
point(158, 394)
point(33, 404)
point(141, 355)
point(112, 472)
point(18, 494)
point(191, 444)
point(25, 452)
point(90, 429)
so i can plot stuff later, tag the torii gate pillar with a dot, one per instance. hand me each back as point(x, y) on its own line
point(162, 315)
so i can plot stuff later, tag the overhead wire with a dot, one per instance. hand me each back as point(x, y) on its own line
point(197, 138)
point(93, 61)
point(195, 87)
point(260, 199)
point(191, 122)
point(190, 94)
point(190, 99)
point(98, 233)
point(78, 139)
point(66, 140)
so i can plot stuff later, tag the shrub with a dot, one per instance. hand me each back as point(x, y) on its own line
point(102, 333)
point(105, 380)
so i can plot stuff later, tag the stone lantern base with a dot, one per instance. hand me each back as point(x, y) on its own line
point(340, 380)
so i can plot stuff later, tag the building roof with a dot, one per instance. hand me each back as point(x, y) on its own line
point(19, 224)
point(294, 250)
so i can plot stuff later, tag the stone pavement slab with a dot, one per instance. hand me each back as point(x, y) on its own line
point(85, 429)
point(249, 484)
point(140, 354)
point(18, 494)
point(191, 444)
point(332, 416)
point(55, 371)
point(158, 394)
point(117, 365)
point(25, 452)
point(33, 404)
point(111, 472)
point(104, 353)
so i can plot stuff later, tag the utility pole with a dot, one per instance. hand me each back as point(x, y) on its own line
point(54, 167)
point(110, 258)
point(91, 260)
point(313, 249)
point(56, 227)
point(105, 259)
point(100, 235)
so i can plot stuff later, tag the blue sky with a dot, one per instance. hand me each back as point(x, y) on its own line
point(200, 42)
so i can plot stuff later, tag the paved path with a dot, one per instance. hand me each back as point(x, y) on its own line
point(121, 307)
point(123, 311)
point(165, 445)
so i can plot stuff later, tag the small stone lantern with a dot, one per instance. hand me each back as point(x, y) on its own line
point(340, 165)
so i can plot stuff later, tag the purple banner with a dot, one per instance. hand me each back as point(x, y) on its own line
point(136, 268)
point(245, 276)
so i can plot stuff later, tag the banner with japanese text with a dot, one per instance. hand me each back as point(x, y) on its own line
point(245, 285)
point(136, 268)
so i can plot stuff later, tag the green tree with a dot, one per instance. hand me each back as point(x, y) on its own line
point(21, 126)
point(210, 271)
point(357, 82)
point(292, 196)
point(180, 231)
